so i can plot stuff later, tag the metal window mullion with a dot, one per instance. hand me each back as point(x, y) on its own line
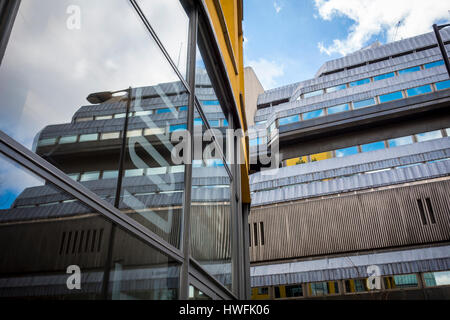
point(159, 43)
point(186, 225)
point(29, 160)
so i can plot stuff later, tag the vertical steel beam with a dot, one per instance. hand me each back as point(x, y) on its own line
point(185, 233)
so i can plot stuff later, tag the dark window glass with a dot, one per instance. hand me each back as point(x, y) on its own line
point(294, 291)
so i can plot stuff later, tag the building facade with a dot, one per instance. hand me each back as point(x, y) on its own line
point(361, 198)
point(118, 178)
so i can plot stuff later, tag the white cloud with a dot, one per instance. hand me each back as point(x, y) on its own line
point(267, 72)
point(277, 7)
point(373, 17)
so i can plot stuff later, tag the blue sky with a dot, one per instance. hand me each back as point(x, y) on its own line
point(287, 41)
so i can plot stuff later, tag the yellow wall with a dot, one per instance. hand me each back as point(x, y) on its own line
point(233, 59)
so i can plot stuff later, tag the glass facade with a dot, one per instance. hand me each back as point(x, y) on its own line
point(124, 143)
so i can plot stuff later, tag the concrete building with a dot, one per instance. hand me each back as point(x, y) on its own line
point(363, 184)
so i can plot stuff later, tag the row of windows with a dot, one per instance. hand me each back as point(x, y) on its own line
point(349, 286)
point(131, 133)
point(378, 145)
point(354, 105)
point(359, 174)
point(145, 112)
point(372, 79)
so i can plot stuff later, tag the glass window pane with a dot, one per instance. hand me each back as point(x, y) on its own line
point(196, 294)
point(210, 103)
point(363, 103)
point(339, 108)
point(84, 119)
point(178, 127)
point(67, 139)
point(183, 108)
point(40, 256)
point(413, 69)
point(434, 64)
point(143, 113)
point(103, 117)
point(110, 174)
point(346, 152)
point(443, 85)
point(74, 176)
point(419, 90)
point(110, 135)
point(134, 172)
point(287, 120)
point(401, 281)
point(134, 133)
point(373, 146)
point(432, 135)
point(384, 76)
point(88, 137)
point(158, 170)
point(400, 141)
point(198, 122)
point(433, 279)
point(313, 93)
point(337, 88)
point(154, 131)
point(161, 111)
point(174, 36)
point(89, 176)
point(294, 291)
point(313, 114)
point(119, 115)
point(359, 82)
point(391, 96)
point(46, 142)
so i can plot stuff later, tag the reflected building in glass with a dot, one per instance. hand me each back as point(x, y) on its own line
point(118, 179)
point(362, 188)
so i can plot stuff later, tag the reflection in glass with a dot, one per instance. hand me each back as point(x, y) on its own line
point(47, 236)
point(346, 152)
point(434, 64)
point(373, 146)
point(363, 103)
point(313, 94)
point(339, 108)
point(419, 90)
point(400, 141)
point(313, 114)
point(356, 285)
point(427, 136)
point(433, 279)
point(337, 88)
point(443, 85)
point(409, 70)
point(401, 281)
point(196, 294)
point(287, 120)
point(323, 288)
point(359, 82)
point(391, 96)
point(384, 76)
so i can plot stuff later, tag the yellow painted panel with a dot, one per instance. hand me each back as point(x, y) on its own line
point(296, 161)
point(321, 156)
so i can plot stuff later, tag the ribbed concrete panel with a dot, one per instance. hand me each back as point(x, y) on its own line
point(379, 219)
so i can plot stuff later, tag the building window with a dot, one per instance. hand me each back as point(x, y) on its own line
point(68, 139)
point(261, 225)
point(47, 142)
point(255, 235)
point(88, 137)
point(384, 76)
point(263, 291)
point(294, 291)
point(84, 119)
point(313, 114)
point(373, 146)
point(427, 136)
point(364, 103)
point(336, 88)
point(409, 70)
point(340, 108)
point(356, 285)
point(323, 288)
point(288, 120)
point(154, 131)
point(419, 90)
point(110, 135)
point(89, 176)
point(74, 176)
point(119, 115)
point(110, 174)
point(434, 279)
point(434, 64)
point(430, 210)
point(210, 103)
point(161, 111)
point(346, 152)
point(134, 172)
point(400, 141)
point(103, 117)
point(359, 82)
point(155, 171)
point(143, 113)
point(391, 97)
point(177, 127)
point(198, 122)
point(401, 281)
point(313, 94)
point(443, 85)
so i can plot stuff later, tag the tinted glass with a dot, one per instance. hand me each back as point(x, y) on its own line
point(339, 108)
point(384, 76)
point(337, 88)
point(363, 103)
point(313, 114)
point(288, 120)
point(313, 94)
point(346, 152)
point(432, 135)
point(434, 64)
point(443, 85)
point(359, 82)
point(373, 146)
point(400, 141)
point(419, 90)
point(391, 96)
point(437, 278)
point(413, 69)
